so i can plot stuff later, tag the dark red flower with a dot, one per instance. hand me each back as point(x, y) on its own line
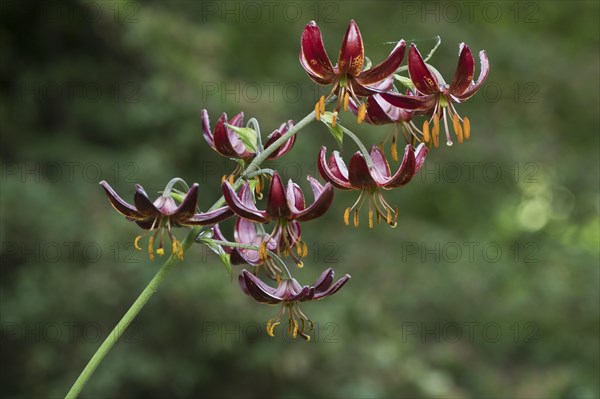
point(288, 293)
point(370, 179)
point(437, 96)
point(286, 207)
point(163, 214)
point(347, 77)
point(229, 144)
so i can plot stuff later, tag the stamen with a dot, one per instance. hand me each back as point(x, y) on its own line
point(322, 105)
point(160, 251)
point(334, 119)
point(426, 131)
point(435, 132)
point(262, 251)
point(151, 248)
point(370, 216)
point(346, 97)
point(317, 111)
point(457, 128)
point(136, 243)
point(231, 179)
point(389, 216)
point(271, 324)
point(394, 149)
point(356, 218)
point(347, 216)
point(362, 112)
point(223, 178)
point(467, 126)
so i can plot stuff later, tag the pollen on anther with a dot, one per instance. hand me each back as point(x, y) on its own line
point(467, 128)
point(151, 248)
point(356, 218)
point(136, 243)
point(347, 216)
point(362, 112)
point(346, 97)
point(426, 136)
point(457, 128)
point(370, 218)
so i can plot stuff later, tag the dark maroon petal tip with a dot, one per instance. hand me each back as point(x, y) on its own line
point(243, 206)
point(277, 206)
point(334, 171)
point(119, 204)
point(420, 75)
point(352, 54)
point(385, 68)
point(313, 57)
point(187, 208)
point(464, 71)
point(406, 170)
point(206, 132)
point(333, 289)
point(143, 204)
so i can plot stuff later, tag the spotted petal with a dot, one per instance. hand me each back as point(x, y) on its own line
point(464, 71)
point(313, 57)
point(352, 54)
point(474, 87)
point(424, 81)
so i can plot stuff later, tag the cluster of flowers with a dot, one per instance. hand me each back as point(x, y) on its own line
point(368, 92)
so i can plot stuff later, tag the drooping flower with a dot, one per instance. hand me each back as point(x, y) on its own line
point(370, 179)
point(228, 143)
point(250, 233)
point(381, 112)
point(163, 214)
point(347, 77)
point(288, 293)
point(286, 207)
point(438, 97)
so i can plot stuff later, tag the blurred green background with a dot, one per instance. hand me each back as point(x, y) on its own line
point(488, 287)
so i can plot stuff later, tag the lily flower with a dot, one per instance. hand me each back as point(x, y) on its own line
point(347, 77)
point(286, 207)
point(163, 214)
point(438, 97)
point(369, 180)
point(381, 112)
point(288, 293)
point(250, 233)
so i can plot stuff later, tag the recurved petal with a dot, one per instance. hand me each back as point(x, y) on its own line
point(323, 200)
point(243, 205)
point(210, 217)
point(464, 71)
point(121, 206)
point(143, 204)
point(420, 75)
point(334, 171)
point(418, 103)
point(380, 162)
point(333, 289)
point(324, 281)
point(277, 206)
point(420, 155)
point(406, 170)
point(385, 68)
point(483, 74)
point(218, 235)
point(206, 132)
point(257, 289)
point(286, 146)
point(294, 197)
point(313, 57)
point(352, 54)
point(361, 176)
point(187, 208)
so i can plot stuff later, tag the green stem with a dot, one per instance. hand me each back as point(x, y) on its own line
point(360, 145)
point(152, 287)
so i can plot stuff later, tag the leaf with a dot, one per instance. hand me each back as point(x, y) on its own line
point(404, 81)
point(336, 132)
point(248, 135)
